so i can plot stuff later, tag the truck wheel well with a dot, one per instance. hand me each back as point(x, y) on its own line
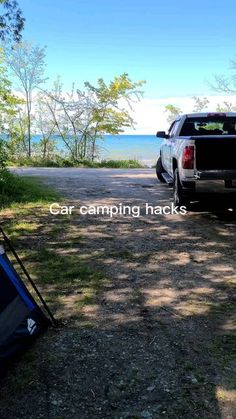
point(175, 165)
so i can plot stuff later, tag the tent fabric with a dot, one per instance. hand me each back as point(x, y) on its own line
point(21, 320)
point(11, 317)
point(15, 280)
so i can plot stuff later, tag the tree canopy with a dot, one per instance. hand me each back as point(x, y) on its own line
point(11, 21)
point(8, 100)
point(173, 111)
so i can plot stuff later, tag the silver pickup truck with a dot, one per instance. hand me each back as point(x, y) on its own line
point(198, 155)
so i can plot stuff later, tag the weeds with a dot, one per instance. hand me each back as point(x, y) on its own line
point(58, 161)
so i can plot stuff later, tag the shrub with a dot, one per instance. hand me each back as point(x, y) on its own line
point(3, 154)
point(125, 164)
point(58, 161)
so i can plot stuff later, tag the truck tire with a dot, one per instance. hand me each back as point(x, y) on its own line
point(180, 198)
point(159, 170)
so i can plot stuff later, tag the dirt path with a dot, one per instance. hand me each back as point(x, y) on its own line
point(159, 341)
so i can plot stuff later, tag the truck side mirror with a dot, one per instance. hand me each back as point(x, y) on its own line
point(161, 134)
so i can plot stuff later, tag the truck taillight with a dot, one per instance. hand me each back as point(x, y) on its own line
point(188, 157)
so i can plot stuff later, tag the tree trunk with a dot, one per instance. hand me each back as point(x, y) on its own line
point(85, 147)
point(93, 148)
point(44, 148)
point(29, 127)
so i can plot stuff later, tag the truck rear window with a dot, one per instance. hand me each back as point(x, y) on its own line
point(209, 126)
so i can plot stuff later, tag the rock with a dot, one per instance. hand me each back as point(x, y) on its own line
point(151, 388)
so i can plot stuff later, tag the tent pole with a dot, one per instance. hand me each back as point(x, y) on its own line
point(8, 241)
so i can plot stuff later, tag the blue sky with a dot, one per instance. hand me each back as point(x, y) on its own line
point(176, 46)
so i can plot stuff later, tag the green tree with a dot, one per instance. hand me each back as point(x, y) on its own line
point(64, 114)
point(8, 101)
point(111, 106)
point(173, 111)
point(27, 63)
point(45, 126)
point(17, 133)
point(81, 117)
point(8, 106)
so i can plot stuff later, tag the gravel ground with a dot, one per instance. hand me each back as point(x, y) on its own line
point(159, 340)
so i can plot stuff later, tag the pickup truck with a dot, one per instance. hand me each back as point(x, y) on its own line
point(198, 155)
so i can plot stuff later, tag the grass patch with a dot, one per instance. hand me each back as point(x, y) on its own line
point(50, 247)
point(188, 366)
point(64, 269)
point(67, 280)
point(20, 190)
point(123, 254)
point(224, 348)
point(225, 307)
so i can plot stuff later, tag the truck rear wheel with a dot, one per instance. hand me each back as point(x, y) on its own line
point(159, 170)
point(180, 198)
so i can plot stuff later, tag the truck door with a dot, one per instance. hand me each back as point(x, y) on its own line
point(169, 145)
point(165, 149)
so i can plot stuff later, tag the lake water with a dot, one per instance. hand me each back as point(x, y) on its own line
point(144, 148)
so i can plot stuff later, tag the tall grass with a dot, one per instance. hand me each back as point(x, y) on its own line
point(15, 189)
point(58, 161)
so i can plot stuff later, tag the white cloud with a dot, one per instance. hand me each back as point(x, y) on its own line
point(150, 115)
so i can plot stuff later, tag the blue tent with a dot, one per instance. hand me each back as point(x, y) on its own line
point(21, 319)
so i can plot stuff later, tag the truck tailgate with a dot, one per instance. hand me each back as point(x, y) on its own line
point(215, 153)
